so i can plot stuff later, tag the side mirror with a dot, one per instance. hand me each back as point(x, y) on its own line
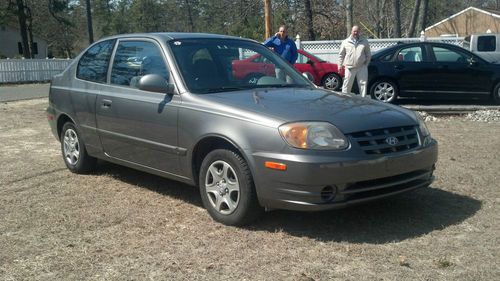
point(155, 83)
point(310, 62)
point(308, 76)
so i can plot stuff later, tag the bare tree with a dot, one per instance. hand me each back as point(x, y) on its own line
point(309, 20)
point(89, 22)
point(348, 15)
point(23, 27)
point(424, 6)
point(414, 17)
point(397, 17)
point(190, 15)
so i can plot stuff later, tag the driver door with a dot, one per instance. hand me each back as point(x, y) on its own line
point(138, 126)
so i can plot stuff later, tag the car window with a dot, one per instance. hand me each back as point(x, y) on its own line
point(134, 59)
point(447, 55)
point(486, 43)
point(93, 65)
point(387, 57)
point(412, 54)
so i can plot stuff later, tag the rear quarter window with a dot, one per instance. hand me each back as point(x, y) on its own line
point(93, 65)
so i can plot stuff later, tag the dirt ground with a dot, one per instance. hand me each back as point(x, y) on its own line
point(121, 224)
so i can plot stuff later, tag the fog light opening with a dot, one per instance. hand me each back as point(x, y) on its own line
point(328, 193)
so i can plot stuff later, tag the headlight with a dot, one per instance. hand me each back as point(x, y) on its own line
point(421, 125)
point(313, 135)
point(425, 137)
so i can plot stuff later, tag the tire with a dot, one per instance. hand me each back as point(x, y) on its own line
point(227, 189)
point(332, 81)
point(253, 78)
point(384, 91)
point(73, 151)
point(495, 96)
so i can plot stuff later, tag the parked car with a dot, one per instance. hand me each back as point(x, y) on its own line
point(323, 73)
point(280, 143)
point(432, 70)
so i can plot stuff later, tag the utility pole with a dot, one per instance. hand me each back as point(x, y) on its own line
point(267, 17)
point(89, 22)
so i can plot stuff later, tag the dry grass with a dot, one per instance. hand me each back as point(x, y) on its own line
point(121, 224)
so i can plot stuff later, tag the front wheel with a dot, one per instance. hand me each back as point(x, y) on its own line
point(227, 189)
point(384, 91)
point(332, 81)
point(73, 150)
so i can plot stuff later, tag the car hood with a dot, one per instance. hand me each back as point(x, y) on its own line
point(277, 106)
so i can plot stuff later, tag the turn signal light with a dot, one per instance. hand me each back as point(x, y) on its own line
point(275, 166)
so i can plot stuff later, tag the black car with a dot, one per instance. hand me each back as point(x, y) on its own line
point(432, 70)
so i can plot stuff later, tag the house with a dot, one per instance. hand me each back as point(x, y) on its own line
point(11, 45)
point(469, 21)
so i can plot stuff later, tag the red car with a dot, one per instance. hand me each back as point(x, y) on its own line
point(325, 74)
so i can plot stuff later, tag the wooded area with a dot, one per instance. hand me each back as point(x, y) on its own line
point(64, 24)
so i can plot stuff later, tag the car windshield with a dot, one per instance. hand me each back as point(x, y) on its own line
point(222, 65)
point(319, 59)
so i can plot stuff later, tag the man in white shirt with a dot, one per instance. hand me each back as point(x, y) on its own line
point(355, 56)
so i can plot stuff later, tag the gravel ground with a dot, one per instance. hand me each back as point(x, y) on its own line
point(121, 224)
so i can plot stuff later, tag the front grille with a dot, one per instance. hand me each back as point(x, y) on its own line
point(377, 141)
point(382, 186)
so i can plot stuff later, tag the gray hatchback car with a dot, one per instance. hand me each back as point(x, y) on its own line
point(251, 135)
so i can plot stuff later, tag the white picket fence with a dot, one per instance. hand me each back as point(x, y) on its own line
point(329, 50)
point(30, 70)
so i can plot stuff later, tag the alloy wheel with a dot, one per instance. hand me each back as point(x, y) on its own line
point(222, 187)
point(71, 147)
point(384, 91)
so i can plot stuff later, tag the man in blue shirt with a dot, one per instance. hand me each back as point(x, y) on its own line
point(283, 45)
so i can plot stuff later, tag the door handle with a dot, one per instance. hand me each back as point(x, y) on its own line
point(399, 66)
point(106, 103)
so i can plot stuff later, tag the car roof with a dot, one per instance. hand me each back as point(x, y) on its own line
point(168, 36)
point(402, 45)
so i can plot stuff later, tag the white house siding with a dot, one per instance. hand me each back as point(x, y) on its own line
point(9, 39)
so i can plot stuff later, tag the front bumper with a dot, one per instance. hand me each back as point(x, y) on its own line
point(313, 183)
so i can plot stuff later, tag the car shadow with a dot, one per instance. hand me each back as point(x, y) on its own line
point(394, 219)
point(171, 188)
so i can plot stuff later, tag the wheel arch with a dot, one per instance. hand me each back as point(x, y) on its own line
point(209, 143)
point(493, 94)
point(61, 120)
point(383, 78)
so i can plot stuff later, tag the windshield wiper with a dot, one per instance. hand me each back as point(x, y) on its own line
point(223, 89)
point(293, 86)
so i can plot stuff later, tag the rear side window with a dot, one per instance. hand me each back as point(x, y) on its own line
point(447, 55)
point(486, 43)
point(93, 65)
